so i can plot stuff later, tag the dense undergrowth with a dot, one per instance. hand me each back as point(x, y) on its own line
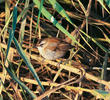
point(25, 75)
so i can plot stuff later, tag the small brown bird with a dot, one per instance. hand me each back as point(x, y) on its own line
point(53, 48)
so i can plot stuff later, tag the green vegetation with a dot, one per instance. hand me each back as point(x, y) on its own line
point(84, 71)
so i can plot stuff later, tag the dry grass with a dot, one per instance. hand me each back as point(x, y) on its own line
point(85, 76)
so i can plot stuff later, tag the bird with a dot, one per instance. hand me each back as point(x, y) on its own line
point(53, 48)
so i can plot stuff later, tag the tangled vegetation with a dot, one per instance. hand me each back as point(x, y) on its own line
point(84, 71)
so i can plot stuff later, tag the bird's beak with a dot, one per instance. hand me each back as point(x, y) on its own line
point(35, 46)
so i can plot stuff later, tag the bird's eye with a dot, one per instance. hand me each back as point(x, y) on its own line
point(41, 44)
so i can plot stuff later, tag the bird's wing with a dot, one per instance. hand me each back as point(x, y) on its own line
point(64, 46)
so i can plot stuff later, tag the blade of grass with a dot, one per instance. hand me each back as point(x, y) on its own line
point(41, 5)
point(11, 33)
point(13, 76)
point(7, 15)
point(24, 12)
point(26, 60)
point(98, 44)
point(104, 69)
point(19, 82)
point(61, 11)
point(20, 50)
point(102, 3)
point(23, 24)
point(29, 65)
point(108, 3)
point(8, 21)
point(54, 21)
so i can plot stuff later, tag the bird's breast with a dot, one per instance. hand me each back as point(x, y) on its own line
point(50, 54)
